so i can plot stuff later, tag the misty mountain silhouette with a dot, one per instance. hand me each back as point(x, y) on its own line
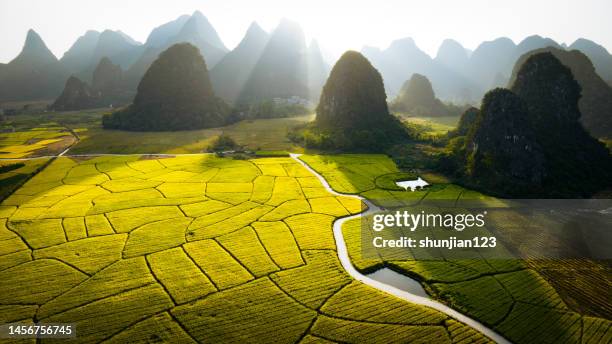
point(281, 71)
point(239, 63)
point(417, 98)
point(80, 55)
point(34, 74)
point(403, 58)
point(453, 56)
point(174, 94)
point(162, 34)
point(601, 58)
point(279, 64)
point(199, 32)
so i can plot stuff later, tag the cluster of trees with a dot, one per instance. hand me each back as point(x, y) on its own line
point(271, 109)
point(223, 143)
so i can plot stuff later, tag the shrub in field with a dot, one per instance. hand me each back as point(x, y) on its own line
point(223, 143)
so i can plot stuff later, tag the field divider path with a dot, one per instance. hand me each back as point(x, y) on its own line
point(342, 250)
point(353, 272)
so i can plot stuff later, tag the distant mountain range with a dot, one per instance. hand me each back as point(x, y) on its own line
point(279, 64)
point(34, 74)
point(460, 76)
point(262, 66)
point(282, 68)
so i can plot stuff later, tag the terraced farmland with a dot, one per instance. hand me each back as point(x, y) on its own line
point(34, 142)
point(193, 249)
point(510, 296)
point(13, 173)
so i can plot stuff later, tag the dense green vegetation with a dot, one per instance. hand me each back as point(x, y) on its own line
point(466, 121)
point(223, 143)
point(352, 113)
point(529, 142)
point(76, 95)
point(174, 94)
point(502, 152)
point(271, 109)
point(595, 103)
point(552, 94)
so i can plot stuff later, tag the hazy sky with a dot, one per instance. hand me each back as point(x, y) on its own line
point(337, 24)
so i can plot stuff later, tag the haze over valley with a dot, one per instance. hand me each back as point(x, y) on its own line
point(281, 61)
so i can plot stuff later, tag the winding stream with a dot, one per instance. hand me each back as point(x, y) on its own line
point(387, 280)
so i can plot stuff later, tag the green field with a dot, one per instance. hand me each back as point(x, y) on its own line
point(13, 173)
point(193, 248)
point(369, 176)
point(431, 127)
point(35, 142)
point(260, 134)
point(514, 297)
point(266, 134)
point(146, 248)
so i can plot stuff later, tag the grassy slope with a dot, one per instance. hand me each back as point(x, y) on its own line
point(509, 295)
point(192, 248)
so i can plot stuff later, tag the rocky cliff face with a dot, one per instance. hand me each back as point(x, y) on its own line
point(595, 103)
point(174, 94)
point(502, 151)
point(576, 163)
point(467, 120)
point(529, 141)
point(77, 95)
